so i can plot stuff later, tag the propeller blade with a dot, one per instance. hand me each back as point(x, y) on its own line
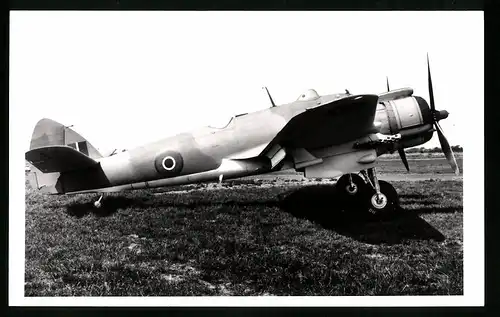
point(402, 154)
point(431, 93)
point(387, 82)
point(445, 146)
point(437, 115)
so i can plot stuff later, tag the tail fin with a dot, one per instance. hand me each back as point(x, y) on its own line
point(49, 157)
point(49, 133)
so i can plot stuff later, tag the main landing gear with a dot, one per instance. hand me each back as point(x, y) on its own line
point(367, 193)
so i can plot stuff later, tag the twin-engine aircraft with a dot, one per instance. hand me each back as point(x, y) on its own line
point(338, 135)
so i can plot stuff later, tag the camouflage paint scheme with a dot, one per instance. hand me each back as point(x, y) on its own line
point(323, 136)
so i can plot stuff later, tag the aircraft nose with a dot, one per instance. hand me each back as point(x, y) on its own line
point(428, 115)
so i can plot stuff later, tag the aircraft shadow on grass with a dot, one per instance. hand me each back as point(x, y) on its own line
point(111, 204)
point(315, 203)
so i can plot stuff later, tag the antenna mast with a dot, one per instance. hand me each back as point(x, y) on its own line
point(270, 98)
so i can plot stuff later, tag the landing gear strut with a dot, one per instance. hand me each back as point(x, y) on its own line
point(367, 193)
point(378, 200)
point(382, 197)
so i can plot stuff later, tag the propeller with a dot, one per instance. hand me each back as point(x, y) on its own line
point(402, 154)
point(401, 150)
point(436, 116)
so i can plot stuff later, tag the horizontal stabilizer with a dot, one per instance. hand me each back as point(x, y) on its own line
point(58, 158)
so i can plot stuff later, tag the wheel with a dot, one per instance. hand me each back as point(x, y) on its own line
point(97, 203)
point(351, 195)
point(385, 204)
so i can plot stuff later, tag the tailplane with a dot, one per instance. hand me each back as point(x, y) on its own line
point(56, 149)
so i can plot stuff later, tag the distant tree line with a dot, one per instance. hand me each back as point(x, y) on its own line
point(455, 148)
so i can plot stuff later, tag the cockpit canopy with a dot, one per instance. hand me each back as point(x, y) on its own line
point(309, 94)
point(221, 122)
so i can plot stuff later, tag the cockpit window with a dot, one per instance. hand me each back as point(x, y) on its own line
point(309, 94)
point(221, 124)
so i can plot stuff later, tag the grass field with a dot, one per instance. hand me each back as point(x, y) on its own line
point(248, 237)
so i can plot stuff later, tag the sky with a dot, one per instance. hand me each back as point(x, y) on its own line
point(123, 79)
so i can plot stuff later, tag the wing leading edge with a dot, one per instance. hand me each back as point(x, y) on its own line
point(333, 123)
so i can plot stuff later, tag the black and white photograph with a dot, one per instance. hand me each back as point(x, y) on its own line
point(239, 158)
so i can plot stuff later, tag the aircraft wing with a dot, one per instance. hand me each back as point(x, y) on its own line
point(329, 124)
point(58, 158)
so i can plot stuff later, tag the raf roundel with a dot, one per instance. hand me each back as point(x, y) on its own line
point(169, 163)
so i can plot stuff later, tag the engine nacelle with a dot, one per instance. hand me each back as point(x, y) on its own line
point(409, 116)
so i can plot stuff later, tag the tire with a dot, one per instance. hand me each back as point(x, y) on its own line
point(386, 209)
point(351, 199)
